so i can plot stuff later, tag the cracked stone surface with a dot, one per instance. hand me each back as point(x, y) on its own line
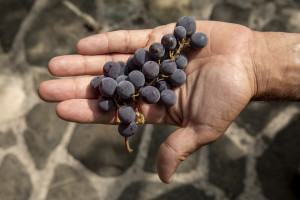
point(14, 180)
point(68, 183)
point(43, 157)
point(42, 139)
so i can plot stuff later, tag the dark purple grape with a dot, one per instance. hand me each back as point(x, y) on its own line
point(169, 42)
point(137, 78)
point(141, 56)
point(179, 32)
point(198, 40)
point(181, 61)
point(127, 130)
point(126, 114)
point(156, 50)
point(106, 104)
point(178, 78)
point(162, 85)
point(168, 97)
point(112, 69)
point(130, 64)
point(124, 68)
point(121, 78)
point(95, 82)
point(108, 87)
point(168, 67)
point(188, 23)
point(125, 89)
point(150, 94)
point(150, 69)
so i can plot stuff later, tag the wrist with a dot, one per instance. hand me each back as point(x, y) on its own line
point(276, 62)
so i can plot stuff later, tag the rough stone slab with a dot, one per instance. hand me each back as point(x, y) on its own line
point(55, 32)
point(278, 167)
point(230, 13)
point(68, 183)
point(116, 11)
point(101, 149)
point(160, 191)
point(160, 133)
point(15, 182)
point(227, 167)
point(12, 13)
point(7, 139)
point(175, 9)
point(256, 115)
point(44, 132)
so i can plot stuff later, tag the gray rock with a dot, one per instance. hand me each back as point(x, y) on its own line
point(160, 191)
point(7, 139)
point(227, 167)
point(160, 133)
point(12, 14)
point(262, 15)
point(44, 132)
point(278, 167)
point(101, 149)
point(15, 182)
point(230, 13)
point(55, 32)
point(168, 11)
point(256, 115)
point(68, 183)
point(116, 11)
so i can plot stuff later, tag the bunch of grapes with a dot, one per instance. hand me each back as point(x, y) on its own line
point(147, 75)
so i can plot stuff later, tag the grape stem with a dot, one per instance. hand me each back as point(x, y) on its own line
point(127, 145)
point(116, 102)
point(174, 53)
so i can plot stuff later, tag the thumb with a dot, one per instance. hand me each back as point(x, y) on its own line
point(178, 146)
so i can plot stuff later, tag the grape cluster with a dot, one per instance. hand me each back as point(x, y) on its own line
point(147, 75)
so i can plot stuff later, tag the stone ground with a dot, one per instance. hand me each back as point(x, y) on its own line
point(43, 157)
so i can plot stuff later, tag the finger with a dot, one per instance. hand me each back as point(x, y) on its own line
point(87, 111)
point(124, 41)
point(64, 89)
point(178, 146)
point(75, 65)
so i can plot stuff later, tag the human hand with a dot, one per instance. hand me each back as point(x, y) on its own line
point(220, 83)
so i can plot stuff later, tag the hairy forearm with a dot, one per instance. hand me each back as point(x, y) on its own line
point(276, 58)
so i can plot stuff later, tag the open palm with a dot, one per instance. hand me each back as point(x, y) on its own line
point(220, 83)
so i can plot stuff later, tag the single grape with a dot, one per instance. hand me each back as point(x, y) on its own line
point(168, 67)
point(106, 104)
point(137, 78)
point(112, 69)
point(181, 61)
point(156, 50)
point(178, 78)
point(168, 97)
point(127, 130)
point(95, 82)
point(150, 94)
point(198, 40)
point(130, 64)
point(121, 78)
point(141, 56)
point(162, 85)
point(108, 87)
point(188, 23)
point(126, 114)
point(169, 42)
point(124, 68)
point(125, 89)
point(179, 32)
point(150, 69)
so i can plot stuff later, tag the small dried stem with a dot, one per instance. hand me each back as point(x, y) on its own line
point(127, 145)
